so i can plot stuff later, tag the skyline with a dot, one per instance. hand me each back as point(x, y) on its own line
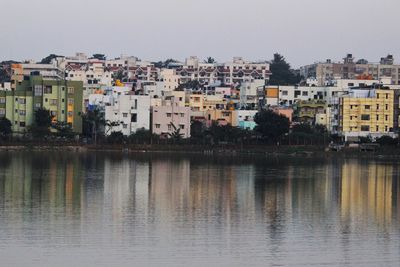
point(156, 30)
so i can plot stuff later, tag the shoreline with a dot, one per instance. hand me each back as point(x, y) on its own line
point(229, 151)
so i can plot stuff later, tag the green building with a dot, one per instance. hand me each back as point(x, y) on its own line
point(63, 98)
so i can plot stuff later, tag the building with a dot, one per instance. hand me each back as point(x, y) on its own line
point(326, 72)
point(367, 112)
point(306, 111)
point(245, 119)
point(61, 97)
point(131, 112)
point(170, 115)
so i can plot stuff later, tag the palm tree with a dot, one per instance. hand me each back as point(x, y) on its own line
point(176, 135)
point(95, 119)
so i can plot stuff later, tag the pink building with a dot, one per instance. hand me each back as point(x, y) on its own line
point(287, 112)
point(168, 115)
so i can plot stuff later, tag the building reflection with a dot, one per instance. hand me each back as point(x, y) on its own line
point(185, 194)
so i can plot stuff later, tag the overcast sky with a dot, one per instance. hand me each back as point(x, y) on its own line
point(304, 31)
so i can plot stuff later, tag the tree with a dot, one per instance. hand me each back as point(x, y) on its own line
point(42, 123)
point(5, 128)
point(116, 138)
point(196, 130)
point(271, 125)
point(386, 140)
point(93, 120)
point(282, 74)
point(210, 60)
point(176, 134)
point(49, 58)
point(99, 56)
point(143, 136)
point(63, 129)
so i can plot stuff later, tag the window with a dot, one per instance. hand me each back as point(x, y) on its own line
point(158, 126)
point(125, 126)
point(71, 90)
point(53, 102)
point(304, 93)
point(377, 106)
point(70, 113)
point(125, 115)
point(48, 90)
point(37, 105)
point(365, 117)
point(2, 111)
point(169, 127)
point(284, 92)
point(386, 117)
point(386, 106)
point(2, 100)
point(387, 96)
point(182, 115)
point(70, 101)
point(38, 90)
point(22, 124)
point(134, 117)
point(364, 128)
point(62, 111)
point(54, 113)
point(367, 107)
point(22, 112)
point(181, 126)
point(377, 128)
point(386, 128)
point(22, 101)
point(377, 117)
point(169, 115)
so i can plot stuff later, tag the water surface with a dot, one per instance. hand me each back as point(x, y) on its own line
point(61, 209)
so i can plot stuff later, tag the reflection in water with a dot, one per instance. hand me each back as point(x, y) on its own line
point(114, 210)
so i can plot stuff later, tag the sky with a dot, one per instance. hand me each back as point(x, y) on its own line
point(304, 31)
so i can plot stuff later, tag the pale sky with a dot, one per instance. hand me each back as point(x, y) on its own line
point(304, 31)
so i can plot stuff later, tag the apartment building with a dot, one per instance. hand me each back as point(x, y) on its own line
point(367, 112)
point(326, 72)
point(62, 98)
point(131, 112)
point(170, 115)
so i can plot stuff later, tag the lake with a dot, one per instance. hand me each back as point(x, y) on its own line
point(110, 209)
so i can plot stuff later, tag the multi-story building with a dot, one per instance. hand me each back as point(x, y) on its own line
point(328, 71)
point(130, 112)
point(170, 115)
point(62, 98)
point(306, 111)
point(367, 112)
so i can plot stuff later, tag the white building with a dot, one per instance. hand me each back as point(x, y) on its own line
point(132, 112)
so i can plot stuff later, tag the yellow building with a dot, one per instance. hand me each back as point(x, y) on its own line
point(367, 112)
point(222, 117)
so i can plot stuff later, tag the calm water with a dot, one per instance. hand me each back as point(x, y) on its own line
point(114, 210)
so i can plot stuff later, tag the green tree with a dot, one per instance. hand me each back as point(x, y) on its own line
point(63, 129)
point(271, 126)
point(143, 136)
point(5, 128)
point(282, 74)
point(116, 138)
point(176, 134)
point(93, 120)
point(49, 58)
point(210, 60)
point(99, 56)
point(197, 130)
point(42, 123)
